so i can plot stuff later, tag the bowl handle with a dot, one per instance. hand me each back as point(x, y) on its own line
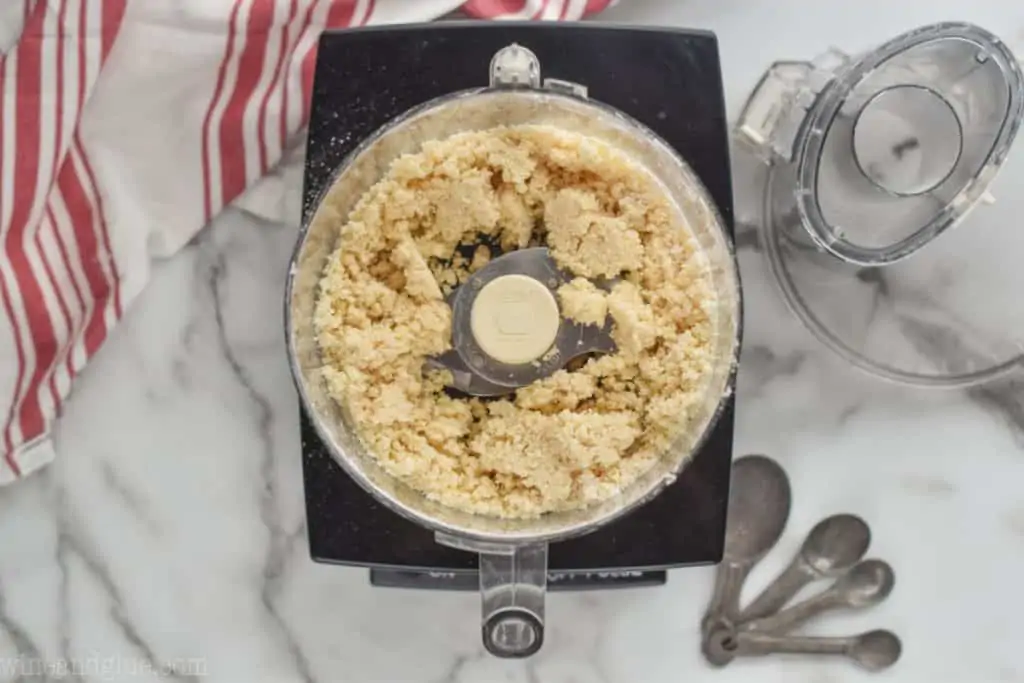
point(513, 581)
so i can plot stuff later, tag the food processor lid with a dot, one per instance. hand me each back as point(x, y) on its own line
point(892, 147)
point(871, 158)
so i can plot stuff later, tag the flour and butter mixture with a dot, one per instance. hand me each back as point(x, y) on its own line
point(566, 441)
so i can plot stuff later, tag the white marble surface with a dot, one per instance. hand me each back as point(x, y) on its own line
point(171, 528)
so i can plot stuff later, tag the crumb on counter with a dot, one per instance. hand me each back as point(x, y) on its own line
point(566, 441)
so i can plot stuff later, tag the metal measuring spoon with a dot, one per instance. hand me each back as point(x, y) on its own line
point(874, 650)
point(759, 501)
point(834, 545)
point(868, 583)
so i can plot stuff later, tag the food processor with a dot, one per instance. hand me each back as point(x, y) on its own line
point(378, 93)
point(882, 217)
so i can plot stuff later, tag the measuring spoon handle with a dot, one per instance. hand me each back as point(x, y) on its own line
point(725, 598)
point(780, 591)
point(791, 617)
point(756, 644)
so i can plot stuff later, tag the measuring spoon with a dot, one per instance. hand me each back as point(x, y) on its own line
point(759, 502)
point(874, 650)
point(868, 583)
point(834, 545)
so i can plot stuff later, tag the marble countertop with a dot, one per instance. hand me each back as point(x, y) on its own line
point(170, 533)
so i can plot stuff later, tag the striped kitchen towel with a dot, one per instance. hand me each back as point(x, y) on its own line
point(125, 126)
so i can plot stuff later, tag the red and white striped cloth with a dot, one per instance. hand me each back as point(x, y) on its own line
point(125, 126)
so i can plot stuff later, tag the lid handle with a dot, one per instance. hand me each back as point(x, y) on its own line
point(774, 113)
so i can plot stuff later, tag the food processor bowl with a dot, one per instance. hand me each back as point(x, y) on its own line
point(513, 552)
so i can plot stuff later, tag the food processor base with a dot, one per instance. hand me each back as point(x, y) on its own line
point(557, 581)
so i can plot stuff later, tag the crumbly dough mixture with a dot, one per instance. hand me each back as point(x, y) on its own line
point(566, 441)
point(583, 302)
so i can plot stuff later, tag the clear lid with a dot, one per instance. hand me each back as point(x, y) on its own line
point(893, 147)
point(870, 159)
